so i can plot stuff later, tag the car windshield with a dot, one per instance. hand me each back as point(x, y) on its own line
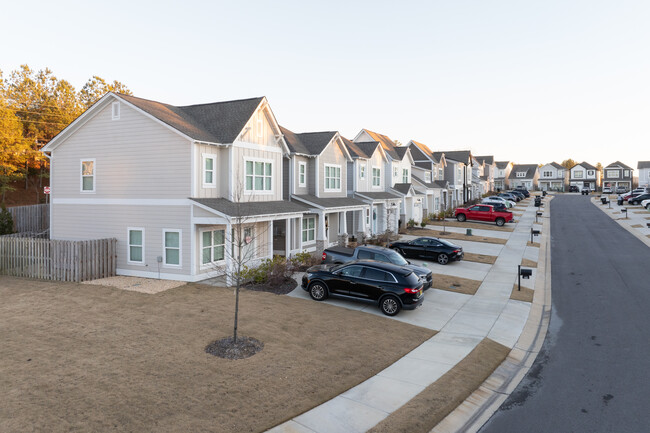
point(396, 259)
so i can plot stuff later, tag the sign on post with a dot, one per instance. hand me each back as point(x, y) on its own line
point(46, 190)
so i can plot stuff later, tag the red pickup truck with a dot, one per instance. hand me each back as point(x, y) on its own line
point(483, 212)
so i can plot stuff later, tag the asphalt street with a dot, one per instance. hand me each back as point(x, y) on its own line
point(592, 374)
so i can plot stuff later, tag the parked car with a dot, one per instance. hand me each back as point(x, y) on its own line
point(510, 196)
point(523, 190)
point(497, 205)
point(390, 286)
point(574, 188)
point(507, 203)
point(630, 195)
point(607, 190)
point(428, 248)
point(339, 255)
point(520, 194)
point(638, 199)
point(585, 190)
point(483, 212)
point(621, 190)
point(646, 204)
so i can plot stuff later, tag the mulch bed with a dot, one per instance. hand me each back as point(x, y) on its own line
point(281, 288)
point(245, 347)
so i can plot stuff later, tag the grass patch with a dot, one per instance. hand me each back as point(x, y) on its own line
point(638, 226)
point(455, 284)
point(77, 357)
point(532, 244)
point(525, 294)
point(528, 263)
point(480, 258)
point(459, 236)
point(640, 211)
point(472, 225)
point(435, 402)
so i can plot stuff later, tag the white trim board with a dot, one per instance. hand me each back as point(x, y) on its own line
point(124, 201)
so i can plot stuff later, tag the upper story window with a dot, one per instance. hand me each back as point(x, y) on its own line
point(547, 174)
point(578, 174)
point(302, 174)
point(521, 174)
point(427, 176)
point(626, 173)
point(376, 177)
point(440, 173)
point(405, 175)
point(115, 111)
point(88, 175)
point(395, 172)
point(591, 173)
point(209, 171)
point(259, 176)
point(362, 172)
point(460, 173)
point(502, 173)
point(332, 177)
point(612, 174)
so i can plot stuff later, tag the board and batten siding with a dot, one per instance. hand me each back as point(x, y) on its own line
point(80, 222)
point(332, 154)
point(239, 157)
point(221, 171)
point(296, 160)
point(135, 157)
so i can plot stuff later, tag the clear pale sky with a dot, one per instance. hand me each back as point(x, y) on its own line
point(526, 81)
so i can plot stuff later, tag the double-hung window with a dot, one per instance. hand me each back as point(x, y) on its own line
point(172, 247)
point(308, 229)
point(427, 176)
point(209, 171)
point(521, 174)
point(302, 174)
point(136, 245)
point(376, 177)
point(212, 246)
point(332, 177)
point(362, 172)
point(259, 176)
point(405, 175)
point(395, 171)
point(88, 175)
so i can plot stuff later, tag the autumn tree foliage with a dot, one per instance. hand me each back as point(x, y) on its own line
point(34, 107)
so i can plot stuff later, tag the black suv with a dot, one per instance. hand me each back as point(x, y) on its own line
point(390, 286)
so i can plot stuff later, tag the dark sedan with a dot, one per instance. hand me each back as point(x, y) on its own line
point(389, 286)
point(429, 249)
point(638, 199)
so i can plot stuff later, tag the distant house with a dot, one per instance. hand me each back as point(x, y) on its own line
point(584, 175)
point(553, 177)
point(618, 174)
point(458, 173)
point(428, 173)
point(501, 175)
point(487, 171)
point(644, 173)
point(525, 175)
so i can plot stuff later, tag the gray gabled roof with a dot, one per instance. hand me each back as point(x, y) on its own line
point(217, 122)
point(307, 143)
point(558, 166)
point(530, 170)
point(251, 209)
point(502, 164)
point(620, 164)
point(586, 165)
point(464, 156)
point(643, 164)
point(402, 188)
point(431, 185)
point(386, 143)
point(487, 159)
point(363, 149)
point(401, 151)
point(325, 203)
point(380, 195)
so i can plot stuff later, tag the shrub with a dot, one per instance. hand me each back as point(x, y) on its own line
point(303, 261)
point(272, 271)
point(6, 221)
point(424, 223)
point(411, 223)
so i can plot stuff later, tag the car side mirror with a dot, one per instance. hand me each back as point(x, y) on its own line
point(408, 261)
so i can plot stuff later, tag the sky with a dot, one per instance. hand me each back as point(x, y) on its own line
point(525, 81)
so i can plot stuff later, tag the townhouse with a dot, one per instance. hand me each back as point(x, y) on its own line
point(553, 177)
point(617, 175)
point(486, 172)
point(501, 175)
point(584, 175)
point(644, 173)
point(428, 173)
point(524, 175)
point(458, 172)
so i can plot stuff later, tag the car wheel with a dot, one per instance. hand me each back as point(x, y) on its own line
point(443, 258)
point(461, 217)
point(318, 291)
point(500, 222)
point(647, 206)
point(390, 305)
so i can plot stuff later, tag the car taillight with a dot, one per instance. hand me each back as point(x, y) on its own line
point(410, 290)
point(324, 255)
point(457, 251)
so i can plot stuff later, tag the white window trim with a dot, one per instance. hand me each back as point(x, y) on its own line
point(303, 183)
point(305, 220)
point(211, 264)
point(273, 174)
point(521, 174)
point(325, 167)
point(128, 245)
point(362, 172)
point(115, 110)
point(81, 176)
point(373, 178)
point(405, 175)
point(205, 157)
point(427, 176)
point(180, 248)
point(395, 172)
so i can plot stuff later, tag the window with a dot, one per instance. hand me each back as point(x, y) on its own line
point(578, 174)
point(591, 173)
point(302, 174)
point(427, 176)
point(368, 217)
point(405, 175)
point(437, 204)
point(308, 229)
point(502, 173)
point(352, 271)
point(548, 174)
point(247, 243)
point(259, 176)
point(88, 175)
point(626, 173)
point(376, 177)
point(136, 245)
point(115, 111)
point(332, 177)
point(395, 171)
point(209, 174)
point(612, 174)
point(521, 174)
point(213, 246)
point(460, 173)
point(362, 172)
point(172, 247)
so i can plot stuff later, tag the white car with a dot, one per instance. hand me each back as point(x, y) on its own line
point(646, 204)
point(508, 203)
point(607, 190)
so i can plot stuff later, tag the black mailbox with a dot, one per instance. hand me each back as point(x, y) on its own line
point(526, 273)
point(603, 200)
point(535, 232)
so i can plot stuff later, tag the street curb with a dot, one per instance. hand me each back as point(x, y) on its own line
point(623, 224)
point(477, 409)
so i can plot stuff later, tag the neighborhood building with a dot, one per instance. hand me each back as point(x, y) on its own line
point(486, 172)
point(644, 173)
point(458, 172)
point(553, 177)
point(585, 175)
point(524, 175)
point(501, 175)
point(428, 173)
point(617, 175)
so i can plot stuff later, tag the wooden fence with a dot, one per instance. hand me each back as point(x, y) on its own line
point(34, 218)
point(57, 259)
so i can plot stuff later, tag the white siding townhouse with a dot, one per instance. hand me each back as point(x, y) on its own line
point(458, 172)
point(501, 175)
point(584, 174)
point(644, 173)
point(486, 172)
point(525, 175)
point(428, 173)
point(173, 184)
point(553, 177)
point(317, 174)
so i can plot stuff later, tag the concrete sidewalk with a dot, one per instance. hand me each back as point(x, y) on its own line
point(462, 321)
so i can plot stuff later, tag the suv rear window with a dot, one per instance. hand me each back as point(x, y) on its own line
point(412, 279)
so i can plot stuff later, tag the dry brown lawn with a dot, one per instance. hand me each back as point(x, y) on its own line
point(76, 357)
point(528, 263)
point(471, 225)
point(525, 294)
point(423, 412)
point(637, 226)
point(480, 258)
point(640, 211)
point(460, 236)
point(455, 284)
point(532, 244)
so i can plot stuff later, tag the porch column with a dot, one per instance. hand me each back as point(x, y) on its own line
point(299, 233)
point(321, 235)
point(343, 225)
point(269, 239)
point(287, 237)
